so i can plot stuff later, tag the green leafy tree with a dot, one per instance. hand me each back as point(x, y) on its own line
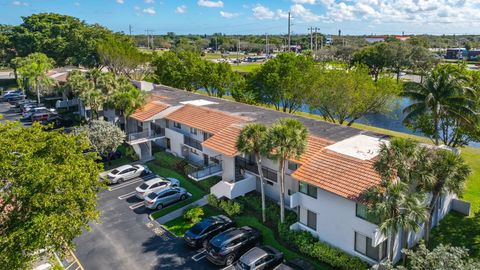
point(284, 81)
point(442, 257)
point(240, 91)
point(103, 136)
point(400, 57)
point(126, 99)
point(122, 58)
point(376, 57)
point(253, 140)
point(33, 69)
point(287, 139)
point(449, 175)
point(216, 78)
point(344, 96)
point(181, 70)
point(444, 109)
point(48, 192)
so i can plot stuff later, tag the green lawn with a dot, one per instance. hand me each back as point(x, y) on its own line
point(196, 192)
point(245, 67)
point(119, 161)
point(180, 225)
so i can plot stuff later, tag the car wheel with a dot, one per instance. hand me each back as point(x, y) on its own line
point(159, 206)
point(121, 180)
point(230, 259)
point(183, 197)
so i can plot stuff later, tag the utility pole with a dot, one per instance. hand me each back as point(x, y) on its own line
point(216, 44)
point(238, 51)
point(148, 38)
point(316, 38)
point(130, 29)
point(289, 33)
point(311, 38)
point(266, 45)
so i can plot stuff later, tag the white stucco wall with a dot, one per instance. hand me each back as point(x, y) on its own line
point(176, 141)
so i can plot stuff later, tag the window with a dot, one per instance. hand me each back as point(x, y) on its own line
point(312, 220)
point(361, 211)
point(193, 130)
point(177, 125)
point(363, 245)
point(269, 174)
point(292, 166)
point(307, 189)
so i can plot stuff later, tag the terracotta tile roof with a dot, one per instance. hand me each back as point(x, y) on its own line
point(224, 141)
point(340, 174)
point(148, 110)
point(206, 119)
point(314, 145)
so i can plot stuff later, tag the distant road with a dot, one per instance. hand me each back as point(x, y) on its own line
point(4, 75)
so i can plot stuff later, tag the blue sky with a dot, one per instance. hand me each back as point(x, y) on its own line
point(258, 17)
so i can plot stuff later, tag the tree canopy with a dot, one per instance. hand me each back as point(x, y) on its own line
point(104, 137)
point(33, 69)
point(49, 191)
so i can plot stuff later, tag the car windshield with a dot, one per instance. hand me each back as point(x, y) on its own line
point(115, 171)
point(241, 266)
point(143, 186)
point(152, 196)
point(197, 228)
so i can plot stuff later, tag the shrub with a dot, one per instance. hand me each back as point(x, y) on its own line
point(310, 246)
point(212, 200)
point(130, 154)
point(230, 207)
point(253, 201)
point(193, 215)
point(180, 166)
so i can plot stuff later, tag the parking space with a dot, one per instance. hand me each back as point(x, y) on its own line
point(125, 238)
point(9, 112)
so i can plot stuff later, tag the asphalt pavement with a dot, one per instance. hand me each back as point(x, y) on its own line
point(126, 239)
point(9, 112)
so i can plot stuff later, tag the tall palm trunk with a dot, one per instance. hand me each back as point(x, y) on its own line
point(282, 189)
point(432, 208)
point(436, 123)
point(391, 247)
point(404, 245)
point(37, 88)
point(262, 187)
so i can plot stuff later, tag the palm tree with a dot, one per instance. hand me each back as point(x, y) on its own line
point(83, 86)
point(441, 94)
point(287, 140)
point(126, 99)
point(252, 139)
point(33, 69)
point(449, 174)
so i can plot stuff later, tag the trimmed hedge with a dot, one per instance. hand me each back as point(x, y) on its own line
point(230, 207)
point(253, 201)
point(310, 246)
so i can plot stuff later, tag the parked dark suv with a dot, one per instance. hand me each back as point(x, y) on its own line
point(259, 258)
point(203, 231)
point(226, 247)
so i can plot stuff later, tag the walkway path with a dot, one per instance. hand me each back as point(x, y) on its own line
point(179, 212)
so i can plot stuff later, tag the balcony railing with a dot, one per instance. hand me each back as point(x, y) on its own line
point(148, 134)
point(192, 143)
point(205, 172)
point(246, 165)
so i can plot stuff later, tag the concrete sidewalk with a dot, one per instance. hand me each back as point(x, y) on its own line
point(179, 212)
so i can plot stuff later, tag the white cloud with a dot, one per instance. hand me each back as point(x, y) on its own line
point(149, 1)
point(181, 9)
point(20, 3)
point(210, 4)
point(77, 4)
point(120, 1)
point(262, 12)
point(302, 2)
point(304, 14)
point(149, 11)
point(228, 15)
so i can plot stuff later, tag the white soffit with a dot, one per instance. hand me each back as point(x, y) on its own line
point(360, 146)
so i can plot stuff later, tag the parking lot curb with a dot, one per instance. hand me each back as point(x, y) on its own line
point(150, 217)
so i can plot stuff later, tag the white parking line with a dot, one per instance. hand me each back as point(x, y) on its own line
point(136, 205)
point(197, 257)
point(125, 196)
point(230, 267)
point(128, 183)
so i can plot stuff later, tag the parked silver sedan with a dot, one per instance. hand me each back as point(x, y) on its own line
point(155, 185)
point(162, 198)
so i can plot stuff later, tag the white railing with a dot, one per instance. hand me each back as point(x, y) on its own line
point(232, 190)
point(146, 135)
point(203, 173)
point(66, 103)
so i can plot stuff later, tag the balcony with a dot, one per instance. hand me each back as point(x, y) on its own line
point(192, 143)
point(293, 200)
point(144, 136)
point(246, 165)
point(203, 173)
point(233, 189)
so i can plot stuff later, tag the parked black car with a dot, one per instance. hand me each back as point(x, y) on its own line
point(295, 264)
point(259, 258)
point(226, 247)
point(203, 231)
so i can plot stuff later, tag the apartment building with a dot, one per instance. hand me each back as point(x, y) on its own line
point(323, 185)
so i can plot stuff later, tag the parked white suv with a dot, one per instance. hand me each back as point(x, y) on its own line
point(154, 185)
point(126, 172)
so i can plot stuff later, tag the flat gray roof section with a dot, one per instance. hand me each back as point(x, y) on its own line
point(334, 132)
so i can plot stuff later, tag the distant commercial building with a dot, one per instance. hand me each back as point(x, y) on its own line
point(329, 40)
point(473, 54)
point(456, 53)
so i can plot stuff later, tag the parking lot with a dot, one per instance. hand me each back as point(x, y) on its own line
point(9, 112)
point(125, 238)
